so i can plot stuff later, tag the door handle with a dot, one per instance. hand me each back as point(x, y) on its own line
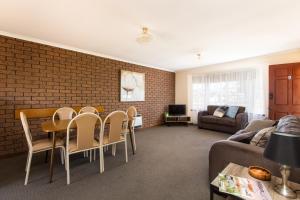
point(271, 96)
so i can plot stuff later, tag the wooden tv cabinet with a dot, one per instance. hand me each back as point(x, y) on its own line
point(177, 119)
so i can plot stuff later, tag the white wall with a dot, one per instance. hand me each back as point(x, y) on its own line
point(184, 77)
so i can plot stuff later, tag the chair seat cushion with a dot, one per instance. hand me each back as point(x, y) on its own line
point(217, 120)
point(73, 145)
point(45, 144)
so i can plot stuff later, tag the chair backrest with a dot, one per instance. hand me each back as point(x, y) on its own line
point(118, 122)
point(85, 130)
point(131, 113)
point(64, 113)
point(89, 109)
point(26, 129)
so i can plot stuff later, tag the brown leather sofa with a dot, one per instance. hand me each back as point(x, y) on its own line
point(206, 120)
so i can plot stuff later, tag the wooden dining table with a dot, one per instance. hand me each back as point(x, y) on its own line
point(54, 126)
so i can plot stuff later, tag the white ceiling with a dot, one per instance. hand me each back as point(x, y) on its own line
point(220, 30)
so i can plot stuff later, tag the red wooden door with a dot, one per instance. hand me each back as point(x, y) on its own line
point(284, 90)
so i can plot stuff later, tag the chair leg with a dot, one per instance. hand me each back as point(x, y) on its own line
point(126, 155)
point(27, 162)
point(62, 155)
point(95, 151)
point(101, 159)
point(46, 156)
point(68, 168)
point(28, 167)
point(114, 149)
point(133, 138)
point(91, 156)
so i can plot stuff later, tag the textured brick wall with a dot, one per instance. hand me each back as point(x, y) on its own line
point(33, 75)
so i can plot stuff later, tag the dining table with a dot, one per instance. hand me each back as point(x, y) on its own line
point(55, 126)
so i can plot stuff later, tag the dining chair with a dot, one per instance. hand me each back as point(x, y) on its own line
point(89, 109)
point(131, 113)
point(116, 121)
point(38, 146)
point(64, 113)
point(86, 124)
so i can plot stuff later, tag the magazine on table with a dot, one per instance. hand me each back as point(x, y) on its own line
point(243, 187)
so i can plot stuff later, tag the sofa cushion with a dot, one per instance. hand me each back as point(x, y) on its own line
point(242, 109)
point(242, 136)
point(217, 120)
point(220, 111)
point(257, 125)
point(232, 111)
point(211, 109)
point(262, 137)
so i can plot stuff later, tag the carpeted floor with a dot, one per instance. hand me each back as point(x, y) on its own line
point(171, 163)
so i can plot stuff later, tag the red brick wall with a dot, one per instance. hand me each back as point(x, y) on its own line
point(33, 75)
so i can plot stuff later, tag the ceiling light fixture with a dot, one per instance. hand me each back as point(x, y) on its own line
point(144, 37)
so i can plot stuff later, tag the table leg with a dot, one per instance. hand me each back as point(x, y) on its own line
point(131, 140)
point(47, 152)
point(52, 156)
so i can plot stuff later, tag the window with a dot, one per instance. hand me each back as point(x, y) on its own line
point(242, 88)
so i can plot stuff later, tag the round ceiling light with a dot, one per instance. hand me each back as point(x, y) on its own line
point(144, 37)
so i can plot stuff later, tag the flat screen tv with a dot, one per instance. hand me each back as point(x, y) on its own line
point(177, 109)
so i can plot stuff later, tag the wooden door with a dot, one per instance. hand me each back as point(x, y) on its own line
point(284, 90)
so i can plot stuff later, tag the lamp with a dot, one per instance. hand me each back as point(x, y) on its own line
point(284, 148)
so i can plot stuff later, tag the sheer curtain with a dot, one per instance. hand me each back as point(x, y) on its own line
point(242, 88)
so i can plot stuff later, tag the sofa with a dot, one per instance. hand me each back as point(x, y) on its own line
point(226, 151)
point(206, 120)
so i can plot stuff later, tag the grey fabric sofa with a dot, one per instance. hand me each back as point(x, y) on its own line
point(206, 120)
point(226, 151)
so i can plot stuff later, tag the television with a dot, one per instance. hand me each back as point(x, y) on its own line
point(177, 109)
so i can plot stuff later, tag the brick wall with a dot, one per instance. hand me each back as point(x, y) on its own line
point(33, 75)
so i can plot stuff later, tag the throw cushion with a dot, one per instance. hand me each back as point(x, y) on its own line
point(232, 111)
point(242, 136)
point(257, 125)
point(220, 111)
point(290, 124)
point(262, 137)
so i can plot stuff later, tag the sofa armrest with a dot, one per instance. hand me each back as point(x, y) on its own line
point(225, 151)
point(200, 114)
point(241, 120)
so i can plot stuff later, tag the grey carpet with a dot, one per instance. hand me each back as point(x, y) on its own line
point(171, 163)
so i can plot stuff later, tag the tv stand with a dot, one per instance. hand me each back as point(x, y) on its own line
point(177, 119)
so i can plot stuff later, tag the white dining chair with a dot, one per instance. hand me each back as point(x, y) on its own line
point(86, 124)
point(131, 113)
point(37, 146)
point(117, 120)
point(64, 113)
point(89, 109)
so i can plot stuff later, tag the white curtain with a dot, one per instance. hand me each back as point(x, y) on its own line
point(241, 88)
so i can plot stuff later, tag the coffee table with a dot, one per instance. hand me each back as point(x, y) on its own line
point(241, 171)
